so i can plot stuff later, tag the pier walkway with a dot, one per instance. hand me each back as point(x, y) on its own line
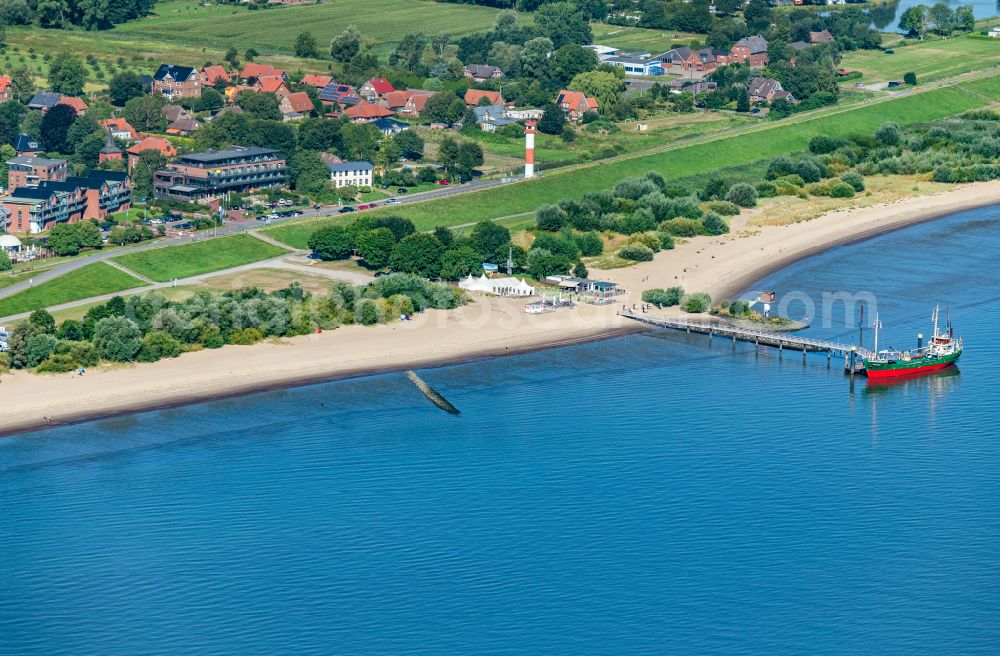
point(780, 341)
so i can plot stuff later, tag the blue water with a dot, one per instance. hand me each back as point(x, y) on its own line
point(886, 17)
point(649, 494)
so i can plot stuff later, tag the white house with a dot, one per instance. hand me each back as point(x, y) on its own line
point(995, 32)
point(497, 286)
point(357, 174)
point(636, 63)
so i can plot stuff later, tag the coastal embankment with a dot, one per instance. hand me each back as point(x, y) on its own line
point(488, 327)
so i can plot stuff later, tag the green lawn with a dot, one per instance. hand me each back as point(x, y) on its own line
point(990, 87)
point(384, 22)
point(91, 280)
point(640, 38)
point(165, 264)
point(931, 60)
point(770, 140)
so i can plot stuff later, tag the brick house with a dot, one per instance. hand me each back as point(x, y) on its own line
point(295, 106)
point(751, 50)
point(212, 75)
point(415, 103)
point(157, 144)
point(75, 103)
point(4, 88)
point(177, 81)
point(341, 94)
point(575, 104)
point(316, 80)
point(271, 84)
point(374, 89)
point(365, 112)
point(120, 129)
point(820, 37)
point(28, 171)
point(482, 72)
point(39, 208)
point(684, 59)
point(474, 96)
point(764, 89)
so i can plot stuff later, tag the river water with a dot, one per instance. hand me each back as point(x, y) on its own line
point(648, 494)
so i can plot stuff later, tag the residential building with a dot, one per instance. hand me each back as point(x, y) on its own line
point(474, 96)
point(177, 81)
point(993, 33)
point(39, 208)
point(214, 172)
point(365, 112)
point(750, 50)
point(764, 89)
point(75, 103)
point(820, 37)
point(687, 60)
point(252, 71)
point(183, 126)
point(318, 81)
point(374, 89)
point(5, 90)
point(156, 144)
point(638, 64)
point(491, 117)
point(25, 145)
point(271, 84)
point(295, 106)
point(215, 74)
point(43, 101)
point(390, 127)
point(120, 129)
point(357, 174)
point(110, 152)
point(603, 52)
point(341, 94)
point(415, 103)
point(28, 171)
point(482, 72)
point(575, 104)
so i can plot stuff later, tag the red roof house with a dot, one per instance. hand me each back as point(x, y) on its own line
point(365, 112)
point(318, 81)
point(575, 104)
point(213, 74)
point(271, 84)
point(473, 96)
point(4, 88)
point(253, 71)
point(295, 105)
point(158, 144)
point(76, 103)
point(120, 128)
point(375, 88)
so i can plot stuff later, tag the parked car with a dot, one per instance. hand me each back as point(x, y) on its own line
point(889, 52)
point(894, 84)
point(443, 182)
point(372, 206)
point(402, 190)
point(392, 201)
point(345, 209)
point(175, 216)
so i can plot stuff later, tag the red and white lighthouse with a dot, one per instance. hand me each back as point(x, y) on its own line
point(529, 149)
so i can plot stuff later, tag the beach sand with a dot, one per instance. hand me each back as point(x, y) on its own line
point(488, 327)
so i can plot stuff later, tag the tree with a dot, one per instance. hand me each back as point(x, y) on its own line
point(5, 263)
point(145, 113)
point(210, 100)
point(157, 345)
point(889, 134)
point(308, 172)
point(550, 218)
point(22, 85)
point(914, 20)
point(71, 238)
point(743, 194)
point(459, 262)
point(124, 87)
point(408, 52)
point(542, 263)
point(570, 60)
point(67, 74)
point(44, 321)
point(259, 105)
point(490, 240)
point(580, 270)
point(117, 339)
point(38, 348)
point(743, 101)
point(563, 23)
point(757, 15)
point(942, 18)
point(910, 78)
point(535, 57)
point(714, 224)
point(419, 253)
point(55, 127)
point(553, 120)
point(604, 86)
point(305, 45)
point(444, 107)
point(965, 20)
point(410, 144)
point(142, 172)
point(331, 243)
point(375, 247)
point(15, 12)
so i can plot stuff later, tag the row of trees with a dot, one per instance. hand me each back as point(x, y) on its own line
point(149, 327)
point(89, 14)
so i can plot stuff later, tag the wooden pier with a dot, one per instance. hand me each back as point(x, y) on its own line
point(780, 341)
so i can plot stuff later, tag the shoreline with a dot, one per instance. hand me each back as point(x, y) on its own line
point(486, 328)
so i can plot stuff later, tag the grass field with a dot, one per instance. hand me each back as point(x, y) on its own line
point(92, 280)
point(990, 87)
point(165, 264)
point(640, 38)
point(384, 22)
point(770, 140)
point(931, 60)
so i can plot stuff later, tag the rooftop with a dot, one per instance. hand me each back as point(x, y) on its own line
point(29, 160)
point(233, 152)
point(351, 166)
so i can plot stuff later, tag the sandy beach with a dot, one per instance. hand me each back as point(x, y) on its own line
point(488, 327)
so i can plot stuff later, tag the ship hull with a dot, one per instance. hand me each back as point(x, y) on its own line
point(880, 370)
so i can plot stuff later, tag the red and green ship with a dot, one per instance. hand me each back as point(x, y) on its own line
point(942, 351)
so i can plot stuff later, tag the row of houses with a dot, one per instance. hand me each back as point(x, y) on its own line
point(751, 50)
point(42, 195)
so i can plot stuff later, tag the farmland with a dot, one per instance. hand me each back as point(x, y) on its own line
point(768, 141)
point(165, 264)
point(931, 60)
point(640, 38)
point(91, 280)
point(384, 22)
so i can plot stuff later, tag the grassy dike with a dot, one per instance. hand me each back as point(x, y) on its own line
point(92, 280)
point(166, 264)
point(726, 151)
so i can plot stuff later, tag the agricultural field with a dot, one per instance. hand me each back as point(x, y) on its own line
point(931, 60)
point(769, 140)
point(989, 87)
point(91, 280)
point(188, 23)
point(633, 39)
point(168, 263)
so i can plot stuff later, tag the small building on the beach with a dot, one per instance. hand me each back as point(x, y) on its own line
point(499, 286)
point(599, 289)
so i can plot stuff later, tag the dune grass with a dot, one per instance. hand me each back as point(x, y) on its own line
point(168, 263)
point(91, 280)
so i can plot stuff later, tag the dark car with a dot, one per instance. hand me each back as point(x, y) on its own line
point(402, 190)
point(343, 210)
point(889, 52)
point(175, 216)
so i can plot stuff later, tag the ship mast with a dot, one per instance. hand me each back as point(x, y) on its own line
point(876, 326)
point(937, 311)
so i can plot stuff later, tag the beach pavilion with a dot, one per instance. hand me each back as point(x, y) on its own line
point(499, 286)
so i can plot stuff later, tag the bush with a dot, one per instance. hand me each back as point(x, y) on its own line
point(841, 190)
point(117, 339)
point(697, 302)
point(855, 179)
point(589, 243)
point(819, 189)
point(681, 227)
point(713, 224)
point(889, 134)
point(648, 239)
point(38, 348)
point(910, 78)
point(550, 218)
point(742, 194)
point(666, 240)
point(663, 297)
point(57, 363)
point(766, 189)
point(245, 336)
point(157, 345)
point(723, 207)
point(331, 243)
point(5, 263)
point(636, 252)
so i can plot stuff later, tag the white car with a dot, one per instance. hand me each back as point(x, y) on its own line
point(392, 201)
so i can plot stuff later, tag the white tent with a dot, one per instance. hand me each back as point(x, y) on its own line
point(10, 243)
point(498, 286)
